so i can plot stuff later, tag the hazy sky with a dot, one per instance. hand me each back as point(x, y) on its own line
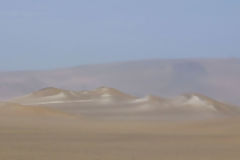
point(58, 33)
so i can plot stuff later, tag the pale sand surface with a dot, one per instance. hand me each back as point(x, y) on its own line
point(63, 138)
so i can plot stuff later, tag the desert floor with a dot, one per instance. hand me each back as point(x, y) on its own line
point(42, 138)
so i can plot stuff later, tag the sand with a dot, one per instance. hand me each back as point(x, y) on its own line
point(28, 138)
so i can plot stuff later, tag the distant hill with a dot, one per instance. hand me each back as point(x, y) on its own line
point(217, 78)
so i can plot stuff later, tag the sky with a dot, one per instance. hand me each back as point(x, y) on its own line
point(49, 34)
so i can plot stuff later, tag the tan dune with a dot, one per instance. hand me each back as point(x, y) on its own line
point(109, 103)
point(55, 95)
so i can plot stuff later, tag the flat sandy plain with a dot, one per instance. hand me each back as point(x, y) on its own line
point(45, 138)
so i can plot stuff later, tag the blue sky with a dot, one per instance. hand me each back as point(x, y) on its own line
point(60, 33)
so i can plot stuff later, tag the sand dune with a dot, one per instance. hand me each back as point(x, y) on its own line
point(55, 95)
point(110, 103)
